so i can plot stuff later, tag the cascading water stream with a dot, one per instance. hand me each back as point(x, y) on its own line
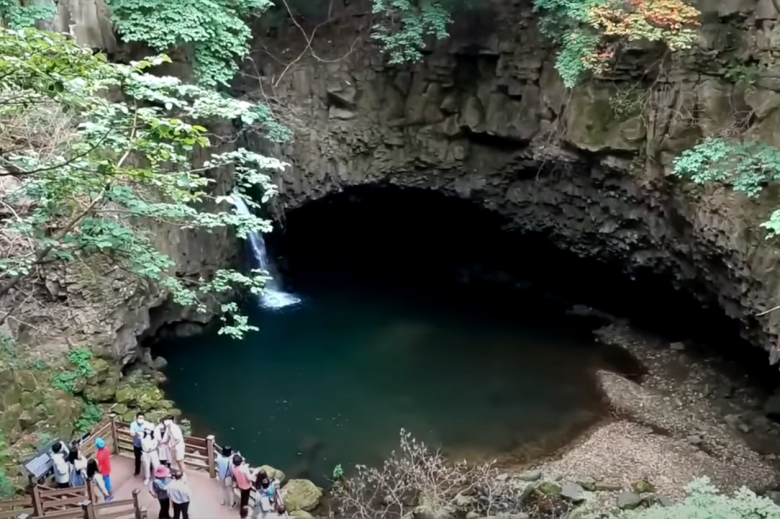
point(273, 296)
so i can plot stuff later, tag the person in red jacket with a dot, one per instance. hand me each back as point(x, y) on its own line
point(103, 457)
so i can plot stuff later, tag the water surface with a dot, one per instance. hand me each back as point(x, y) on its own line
point(334, 379)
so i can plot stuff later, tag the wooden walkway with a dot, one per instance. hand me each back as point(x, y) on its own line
point(205, 491)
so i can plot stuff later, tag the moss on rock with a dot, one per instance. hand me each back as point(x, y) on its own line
point(301, 494)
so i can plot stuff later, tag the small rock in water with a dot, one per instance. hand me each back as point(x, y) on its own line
point(677, 346)
point(572, 492)
point(628, 500)
point(774, 495)
point(745, 428)
point(472, 515)
point(531, 475)
point(664, 501)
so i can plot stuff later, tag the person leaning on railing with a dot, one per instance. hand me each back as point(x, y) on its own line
point(225, 476)
point(242, 477)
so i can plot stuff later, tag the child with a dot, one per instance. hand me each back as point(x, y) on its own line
point(103, 457)
point(159, 490)
point(93, 476)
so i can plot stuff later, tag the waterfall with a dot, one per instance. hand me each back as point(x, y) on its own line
point(273, 296)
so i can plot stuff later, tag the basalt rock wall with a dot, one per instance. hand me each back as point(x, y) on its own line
point(485, 117)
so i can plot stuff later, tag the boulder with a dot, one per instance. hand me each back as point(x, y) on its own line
point(531, 475)
point(549, 489)
point(301, 514)
point(430, 512)
point(606, 486)
point(273, 473)
point(573, 492)
point(464, 501)
point(301, 494)
point(643, 486)
point(628, 500)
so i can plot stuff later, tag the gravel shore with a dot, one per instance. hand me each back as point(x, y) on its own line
point(668, 430)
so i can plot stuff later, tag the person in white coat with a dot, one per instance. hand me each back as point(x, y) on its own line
point(149, 456)
point(175, 442)
point(163, 452)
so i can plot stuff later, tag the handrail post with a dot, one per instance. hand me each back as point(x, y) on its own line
point(136, 504)
point(210, 454)
point(89, 510)
point(37, 504)
point(114, 437)
point(144, 513)
point(91, 491)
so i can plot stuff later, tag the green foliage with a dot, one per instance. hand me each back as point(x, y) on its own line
point(748, 167)
point(214, 31)
point(81, 360)
point(100, 171)
point(16, 16)
point(747, 73)
point(90, 416)
point(405, 24)
point(186, 427)
point(703, 502)
point(570, 62)
point(6, 484)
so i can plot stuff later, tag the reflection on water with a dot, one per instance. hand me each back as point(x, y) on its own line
point(334, 380)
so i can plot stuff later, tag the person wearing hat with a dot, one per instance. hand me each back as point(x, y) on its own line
point(103, 458)
point(159, 489)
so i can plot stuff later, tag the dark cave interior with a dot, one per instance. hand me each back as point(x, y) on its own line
point(384, 237)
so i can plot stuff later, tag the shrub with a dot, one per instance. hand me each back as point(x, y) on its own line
point(703, 501)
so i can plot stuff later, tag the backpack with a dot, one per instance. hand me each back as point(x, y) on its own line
point(77, 477)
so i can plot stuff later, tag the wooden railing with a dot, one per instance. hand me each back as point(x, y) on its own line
point(13, 508)
point(81, 502)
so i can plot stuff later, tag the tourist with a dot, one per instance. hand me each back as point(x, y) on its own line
point(137, 428)
point(180, 495)
point(60, 465)
point(265, 498)
point(77, 466)
point(242, 477)
point(103, 457)
point(244, 512)
point(281, 513)
point(225, 476)
point(159, 490)
point(163, 452)
point(92, 471)
point(175, 442)
point(149, 453)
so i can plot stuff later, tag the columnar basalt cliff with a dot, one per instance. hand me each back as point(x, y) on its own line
point(485, 117)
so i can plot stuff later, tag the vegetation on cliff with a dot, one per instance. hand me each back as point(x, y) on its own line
point(85, 172)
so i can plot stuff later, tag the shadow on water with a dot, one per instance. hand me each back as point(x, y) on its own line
point(418, 313)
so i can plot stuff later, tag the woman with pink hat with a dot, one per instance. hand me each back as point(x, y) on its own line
point(159, 489)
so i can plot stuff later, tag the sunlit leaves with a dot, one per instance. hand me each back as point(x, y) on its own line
point(590, 31)
point(123, 165)
point(214, 31)
point(748, 167)
point(405, 24)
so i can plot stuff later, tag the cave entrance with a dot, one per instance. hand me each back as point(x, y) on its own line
point(420, 312)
